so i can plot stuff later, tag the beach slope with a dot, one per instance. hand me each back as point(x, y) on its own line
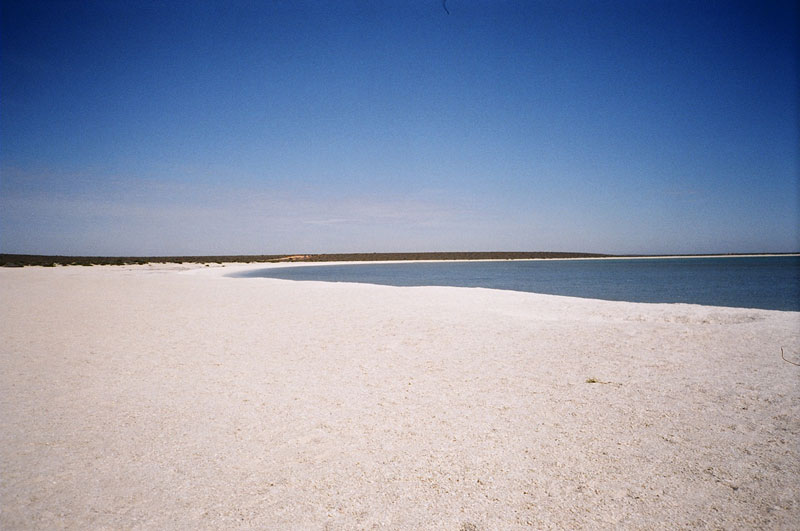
point(167, 397)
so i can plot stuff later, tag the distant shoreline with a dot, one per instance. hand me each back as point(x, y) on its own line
point(21, 260)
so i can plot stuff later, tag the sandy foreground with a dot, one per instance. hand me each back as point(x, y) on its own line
point(162, 397)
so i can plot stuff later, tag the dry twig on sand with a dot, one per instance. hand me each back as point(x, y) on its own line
point(787, 361)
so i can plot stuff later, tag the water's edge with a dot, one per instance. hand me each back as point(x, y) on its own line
point(762, 282)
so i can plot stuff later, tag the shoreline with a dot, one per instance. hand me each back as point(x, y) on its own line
point(271, 265)
point(172, 396)
point(698, 294)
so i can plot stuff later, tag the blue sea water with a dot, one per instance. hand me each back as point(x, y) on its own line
point(767, 282)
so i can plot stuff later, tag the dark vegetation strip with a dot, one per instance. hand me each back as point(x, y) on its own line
point(19, 260)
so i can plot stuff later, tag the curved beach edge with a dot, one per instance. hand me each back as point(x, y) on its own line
point(171, 396)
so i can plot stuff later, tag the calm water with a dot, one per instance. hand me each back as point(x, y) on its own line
point(748, 282)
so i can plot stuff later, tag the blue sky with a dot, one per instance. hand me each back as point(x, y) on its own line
point(142, 128)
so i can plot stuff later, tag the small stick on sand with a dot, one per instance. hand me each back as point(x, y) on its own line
point(787, 361)
point(595, 380)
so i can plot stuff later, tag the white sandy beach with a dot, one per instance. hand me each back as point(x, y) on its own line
point(160, 397)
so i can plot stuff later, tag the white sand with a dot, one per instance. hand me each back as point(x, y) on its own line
point(143, 397)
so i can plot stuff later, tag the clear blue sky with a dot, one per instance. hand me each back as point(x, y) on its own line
point(141, 128)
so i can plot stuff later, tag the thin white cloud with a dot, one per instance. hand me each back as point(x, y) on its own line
point(334, 221)
point(150, 217)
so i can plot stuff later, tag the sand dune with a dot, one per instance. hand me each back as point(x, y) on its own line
point(162, 397)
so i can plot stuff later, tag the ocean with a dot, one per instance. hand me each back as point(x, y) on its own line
point(766, 282)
